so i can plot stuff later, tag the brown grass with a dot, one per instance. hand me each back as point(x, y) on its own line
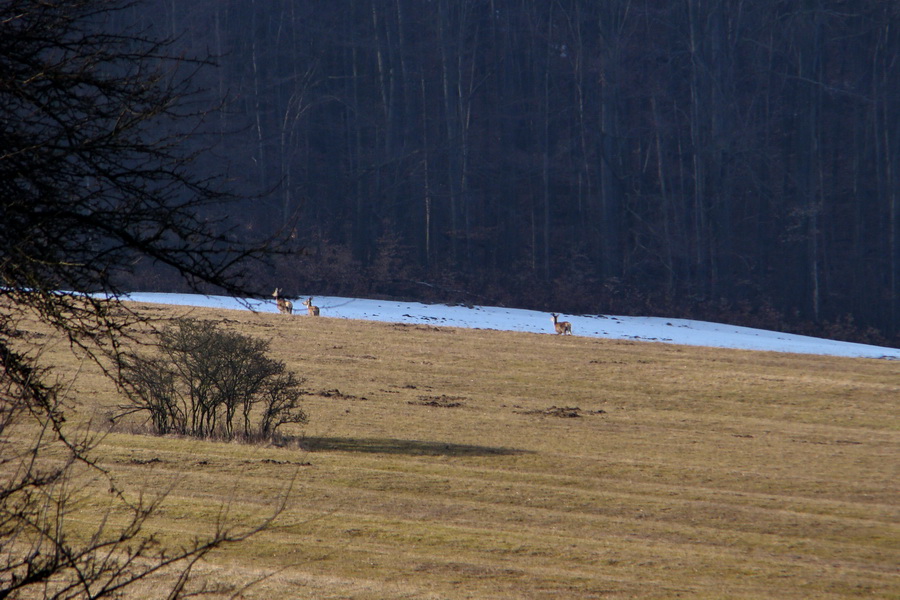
point(448, 463)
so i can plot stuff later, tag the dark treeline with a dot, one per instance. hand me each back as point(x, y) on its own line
point(732, 159)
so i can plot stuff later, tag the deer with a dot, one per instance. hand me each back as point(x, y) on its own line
point(562, 327)
point(285, 307)
point(312, 310)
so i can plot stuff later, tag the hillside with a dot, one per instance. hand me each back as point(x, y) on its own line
point(452, 463)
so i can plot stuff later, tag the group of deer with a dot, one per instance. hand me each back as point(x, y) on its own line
point(286, 307)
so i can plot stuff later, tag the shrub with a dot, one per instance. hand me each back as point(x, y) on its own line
point(206, 382)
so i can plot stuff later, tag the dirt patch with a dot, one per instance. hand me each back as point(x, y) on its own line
point(420, 327)
point(272, 461)
point(145, 461)
point(563, 412)
point(338, 395)
point(442, 401)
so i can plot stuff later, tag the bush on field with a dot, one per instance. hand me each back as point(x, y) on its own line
point(206, 382)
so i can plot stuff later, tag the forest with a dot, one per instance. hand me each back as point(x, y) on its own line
point(727, 159)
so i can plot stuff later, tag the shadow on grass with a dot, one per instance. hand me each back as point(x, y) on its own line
point(410, 447)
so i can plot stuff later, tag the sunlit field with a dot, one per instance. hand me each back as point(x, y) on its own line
point(451, 463)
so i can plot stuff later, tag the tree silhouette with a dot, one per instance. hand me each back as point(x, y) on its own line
point(207, 382)
point(98, 142)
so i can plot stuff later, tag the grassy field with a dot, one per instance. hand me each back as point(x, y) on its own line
point(449, 463)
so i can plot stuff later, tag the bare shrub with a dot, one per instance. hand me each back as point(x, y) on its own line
point(206, 382)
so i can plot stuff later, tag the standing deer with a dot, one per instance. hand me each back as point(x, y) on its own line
point(285, 306)
point(312, 310)
point(562, 327)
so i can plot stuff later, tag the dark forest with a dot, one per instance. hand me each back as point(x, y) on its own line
point(735, 160)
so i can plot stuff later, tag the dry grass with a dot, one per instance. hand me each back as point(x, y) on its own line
point(446, 463)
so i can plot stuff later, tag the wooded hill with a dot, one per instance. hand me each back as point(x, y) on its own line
point(725, 159)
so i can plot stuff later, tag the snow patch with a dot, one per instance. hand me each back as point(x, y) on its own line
point(650, 329)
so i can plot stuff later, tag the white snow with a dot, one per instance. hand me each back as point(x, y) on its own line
point(655, 329)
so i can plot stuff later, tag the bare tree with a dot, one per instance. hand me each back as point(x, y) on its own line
point(97, 148)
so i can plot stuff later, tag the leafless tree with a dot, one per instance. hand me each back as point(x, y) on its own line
point(98, 139)
point(208, 382)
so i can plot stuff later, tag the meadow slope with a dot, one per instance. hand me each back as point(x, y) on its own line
point(452, 463)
